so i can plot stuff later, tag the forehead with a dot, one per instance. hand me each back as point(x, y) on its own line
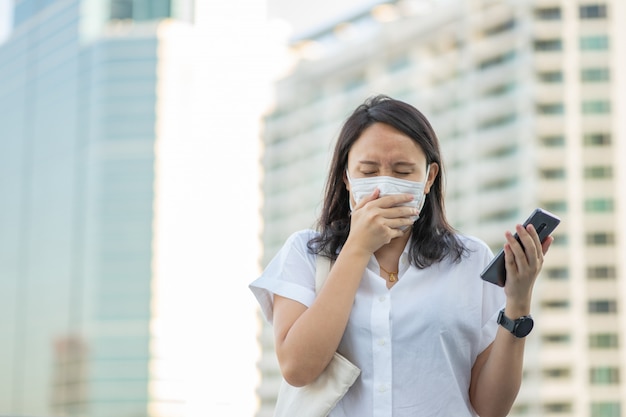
point(381, 141)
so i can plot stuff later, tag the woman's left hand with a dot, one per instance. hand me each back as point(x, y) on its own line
point(523, 263)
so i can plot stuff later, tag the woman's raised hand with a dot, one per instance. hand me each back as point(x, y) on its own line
point(376, 220)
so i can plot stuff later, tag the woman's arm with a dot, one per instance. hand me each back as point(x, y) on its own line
point(306, 338)
point(497, 373)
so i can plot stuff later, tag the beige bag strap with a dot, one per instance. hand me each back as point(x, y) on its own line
point(322, 268)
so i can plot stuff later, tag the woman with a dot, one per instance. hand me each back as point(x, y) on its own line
point(403, 300)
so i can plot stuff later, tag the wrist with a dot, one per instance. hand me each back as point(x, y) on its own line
point(356, 253)
point(354, 249)
point(516, 311)
point(517, 307)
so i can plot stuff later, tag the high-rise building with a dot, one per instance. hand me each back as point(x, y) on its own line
point(115, 133)
point(528, 100)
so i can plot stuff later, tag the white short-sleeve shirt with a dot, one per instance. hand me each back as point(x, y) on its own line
point(415, 343)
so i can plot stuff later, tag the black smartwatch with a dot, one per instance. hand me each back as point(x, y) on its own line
point(519, 328)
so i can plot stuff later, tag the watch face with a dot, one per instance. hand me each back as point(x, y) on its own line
point(524, 327)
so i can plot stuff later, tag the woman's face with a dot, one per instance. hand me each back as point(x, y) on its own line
point(383, 150)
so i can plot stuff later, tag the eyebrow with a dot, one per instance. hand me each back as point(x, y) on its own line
point(399, 163)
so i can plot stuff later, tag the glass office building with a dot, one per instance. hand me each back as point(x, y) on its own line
point(104, 143)
point(527, 98)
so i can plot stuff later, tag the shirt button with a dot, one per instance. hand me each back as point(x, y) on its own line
point(381, 342)
point(382, 388)
point(382, 298)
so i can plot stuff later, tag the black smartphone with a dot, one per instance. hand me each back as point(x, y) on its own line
point(544, 223)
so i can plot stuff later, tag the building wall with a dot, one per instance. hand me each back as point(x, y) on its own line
point(525, 99)
point(78, 159)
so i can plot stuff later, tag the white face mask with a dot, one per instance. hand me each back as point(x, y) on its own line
point(362, 187)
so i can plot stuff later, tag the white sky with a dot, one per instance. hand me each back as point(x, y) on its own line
point(6, 14)
point(301, 15)
point(307, 15)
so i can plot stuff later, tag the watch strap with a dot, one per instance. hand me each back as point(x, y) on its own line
point(520, 327)
point(506, 322)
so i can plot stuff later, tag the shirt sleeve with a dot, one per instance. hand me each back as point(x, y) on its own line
point(290, 274)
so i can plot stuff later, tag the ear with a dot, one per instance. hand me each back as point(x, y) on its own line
point(432, 174)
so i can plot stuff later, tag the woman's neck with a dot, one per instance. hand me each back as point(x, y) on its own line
point(393, 249)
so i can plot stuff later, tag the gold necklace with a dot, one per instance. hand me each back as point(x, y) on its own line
point(393, 276)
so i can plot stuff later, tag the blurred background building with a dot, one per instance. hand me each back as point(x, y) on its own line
point(129, 169)
point(528, 99)
point(119, 162)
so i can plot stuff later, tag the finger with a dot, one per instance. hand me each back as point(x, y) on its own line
point(546, 244)
point(509, 260)
point(394, 200)
point(400, 212)
point(537, 242)
point(375, 194)
point(519, 256)
point(531, 244)
point(399, 223)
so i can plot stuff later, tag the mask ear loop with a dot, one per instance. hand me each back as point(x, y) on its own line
point(424, 189)
point(349, 192)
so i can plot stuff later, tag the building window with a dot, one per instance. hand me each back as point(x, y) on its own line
point(520, 409)
point(500, 184)
point(593, 11)
point(556, 338)
point(603, 341)
point(599, 205)
point(548, 45)
point(548, 13)
point(557, 408)
point(600, 239)
point(497, 121)
point(598, 172)
point(604, 376)
point(499, 90)
point(503, 27)
point(594, 43)
point(497, 60)
point(602, 306)
point(557, 373)
point(553, 141)
point(594, 75)
point(601, 272)
point(551, 76)
point(552, 173)
point(596, 107)
point(555, 206)
point(555, 304)
point(597, 139)
point(606, 409)
point(550, 108)
point(499, 216)
point(121, 9)
point(560, 273)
